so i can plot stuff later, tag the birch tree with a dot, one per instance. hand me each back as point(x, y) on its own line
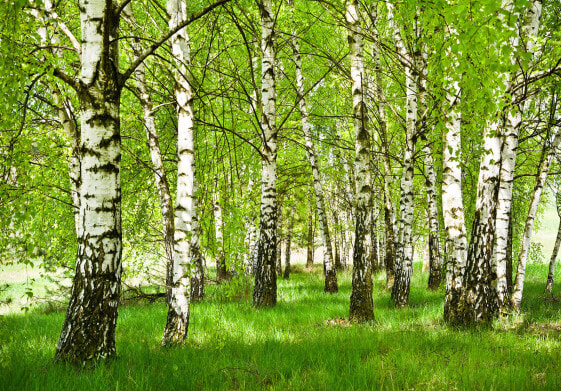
point(361, 306)
point(536, 194)
point(265, 291)
point(404, 250)
point(88, 331)
point(553, 259)
point(328, 263)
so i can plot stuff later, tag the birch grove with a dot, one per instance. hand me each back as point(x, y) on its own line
point(140, 138)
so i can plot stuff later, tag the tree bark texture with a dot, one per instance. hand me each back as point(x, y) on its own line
point(265, 291)
point(187, 257)
point(361, 305)
point(288, 244)
point(88, 332)
point(452, 199)
point(404, 251)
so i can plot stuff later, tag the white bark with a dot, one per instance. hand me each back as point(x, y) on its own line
point(89, 328)
point(265, 292)
point(187, 257)
point(160, 176)
point(452, 200)
point(361, 306)
point(524, 246)
point(328, 263)
point(404, 251)
point(389, 217)
point(508, 153)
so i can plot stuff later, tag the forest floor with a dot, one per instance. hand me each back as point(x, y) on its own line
point(302, 343)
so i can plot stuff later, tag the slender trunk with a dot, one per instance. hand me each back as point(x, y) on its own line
point(249, 246)
point(185, 279)
point(551, 274)
point(336, 243)
point(265, 291)
point(328, 263)
point(523, 254)
point(509, 286)
point(435, 255)
point(404, 253)
point(389, 219)
point(452, 200)
point(310, 247)
point(166, 203)
point(88, 331)
point(361, 305)
point(513, 120)
point(288, 244)
point(279, 240)
point(221, 272)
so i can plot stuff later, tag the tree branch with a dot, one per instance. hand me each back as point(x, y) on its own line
point(168, 35)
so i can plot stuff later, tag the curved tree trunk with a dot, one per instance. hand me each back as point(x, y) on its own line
point(523, 253)
point(166, 203)
point(361, 306)
point(551, 273)
point(265, 291)
point(328, 263)
point(88, 331)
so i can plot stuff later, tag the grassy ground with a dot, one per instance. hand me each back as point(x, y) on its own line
point(302, 343)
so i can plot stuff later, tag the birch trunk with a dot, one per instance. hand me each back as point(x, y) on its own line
point(477, 303)
point(508, 154)
point(265, 291)
point(221, 272)
point(166, 203)
point(187, 257)
point(88, 332)
point(551, 273)
point(523, 253)
point(361, 305)
point(310, 247)
point(452, 200)
point(279, 239)
point(288, 244)
point(435, 253)
point(338, 247)
point(328, 263)
point(404, 253)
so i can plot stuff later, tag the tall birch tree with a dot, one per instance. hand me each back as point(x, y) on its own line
point(361, 306)
point(265, 291)
point(328, 263)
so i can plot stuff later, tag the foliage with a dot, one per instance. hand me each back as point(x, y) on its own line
point(295, 346)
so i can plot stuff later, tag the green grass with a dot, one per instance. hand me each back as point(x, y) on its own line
point(295, 346)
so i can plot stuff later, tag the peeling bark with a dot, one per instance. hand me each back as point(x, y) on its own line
point(265, 291)
point(88, 332)
point(361, 305)
point(404, 251)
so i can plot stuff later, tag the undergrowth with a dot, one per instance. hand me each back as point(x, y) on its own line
point(302, 343)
